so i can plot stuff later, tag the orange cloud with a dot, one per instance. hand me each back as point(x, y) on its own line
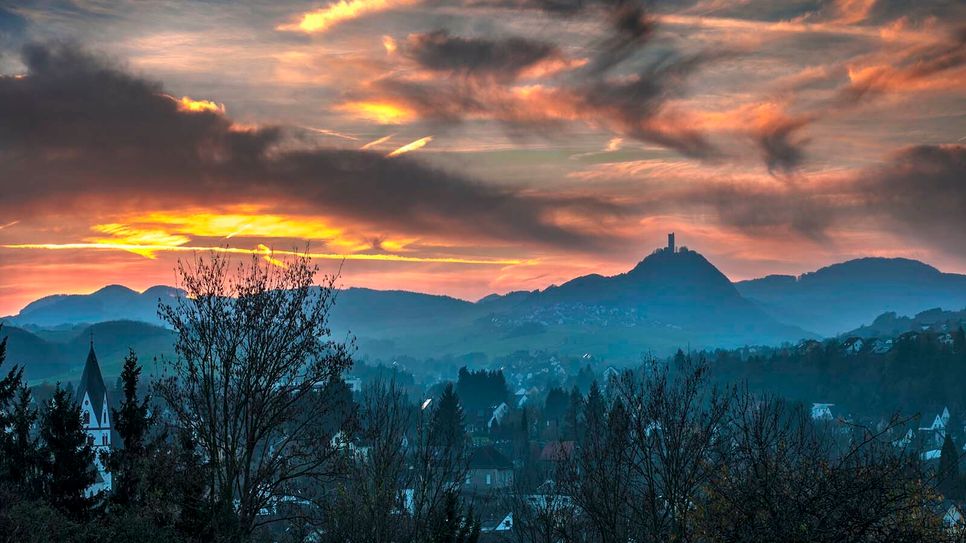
point(382, 112)
point(323, 19)
point(260, 249)
point(188, 104)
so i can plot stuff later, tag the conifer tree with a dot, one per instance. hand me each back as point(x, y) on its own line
point(132, 424)
point(450, 526)
point(448, 426)
point(68, 465)
point(8, 390)
point(571, 422)
point(22, 458)
point(594, 410)
point(949, 468)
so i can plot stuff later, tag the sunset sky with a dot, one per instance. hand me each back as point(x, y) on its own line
point(466, 147)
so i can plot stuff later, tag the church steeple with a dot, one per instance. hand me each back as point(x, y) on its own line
point(94, 409)
point(92, 384)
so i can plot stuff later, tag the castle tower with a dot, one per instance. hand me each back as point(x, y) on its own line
point(95, 417)
point(670, 242)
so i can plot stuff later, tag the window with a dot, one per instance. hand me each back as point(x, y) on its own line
point(489, 478)
point(103, 439)
point(87, 417)
point(90, 440)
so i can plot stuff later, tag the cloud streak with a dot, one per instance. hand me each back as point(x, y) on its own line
point(324, 19)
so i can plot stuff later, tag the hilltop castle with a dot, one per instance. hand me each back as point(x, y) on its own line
point(96, 418)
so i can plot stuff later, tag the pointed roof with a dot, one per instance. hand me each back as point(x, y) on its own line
point(92, 383)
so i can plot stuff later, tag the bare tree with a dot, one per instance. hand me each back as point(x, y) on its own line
point(401, 478)
point(253, 351)
point(791, 479)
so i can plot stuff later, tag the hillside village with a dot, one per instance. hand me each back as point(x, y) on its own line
point(522, 419)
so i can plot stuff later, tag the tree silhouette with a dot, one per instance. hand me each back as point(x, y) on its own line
point(69, 457)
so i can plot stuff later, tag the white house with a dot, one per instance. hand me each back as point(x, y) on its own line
point(498, 415)
point(937, 431)
point(822, 411)
point(953, 517)
point(96, 418)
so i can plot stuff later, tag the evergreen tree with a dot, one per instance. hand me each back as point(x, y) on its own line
point(69, 457)
point(448, 425)
point(571, 422)
point(132, 423)
point(949, 468)
point(189, 490)
point(594, 410)
point(450, 526)
point(555, 406)
point(8, 393)
point(23, 458)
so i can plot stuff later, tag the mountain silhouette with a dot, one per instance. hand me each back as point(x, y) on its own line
point(845, 296)
point(669, 299)
point(113, 302)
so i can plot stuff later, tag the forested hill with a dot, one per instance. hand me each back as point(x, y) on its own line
point(914, 372)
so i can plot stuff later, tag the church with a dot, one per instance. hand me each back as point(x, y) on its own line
point(96, 418)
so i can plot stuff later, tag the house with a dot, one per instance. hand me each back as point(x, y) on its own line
point(488, 470)
point(521, 398)
point(547, 499)
point(953, 516)
point(882, 346)
point(853, 345)
point(354, 383)
point(905, 440)
point(95, 418)
point(499, 414)
point(935, 433)
point(503, 526)
point(822, 411)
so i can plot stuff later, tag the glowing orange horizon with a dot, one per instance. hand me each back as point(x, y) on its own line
point(264, 250)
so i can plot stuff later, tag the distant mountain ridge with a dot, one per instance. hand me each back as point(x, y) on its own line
point(844, 296)
point(113, 302)
point(669, 299)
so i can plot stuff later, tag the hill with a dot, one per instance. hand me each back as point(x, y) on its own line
point(889, 324)
point(113, 302)
point(844, 296)
point(60, 355)
point(669, 299)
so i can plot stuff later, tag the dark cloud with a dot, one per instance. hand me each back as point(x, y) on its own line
point(633, 105)
point(77, 129)
point(782, 151)
point(921, 192)
point(631, 29)
point(630, 102)
point(501, 59)
point(918, 193)
point(771, 210)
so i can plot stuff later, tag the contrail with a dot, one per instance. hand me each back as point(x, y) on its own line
point(373, 143)
point(418, 144)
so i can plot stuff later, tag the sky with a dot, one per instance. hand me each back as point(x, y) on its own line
point(467, 147)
